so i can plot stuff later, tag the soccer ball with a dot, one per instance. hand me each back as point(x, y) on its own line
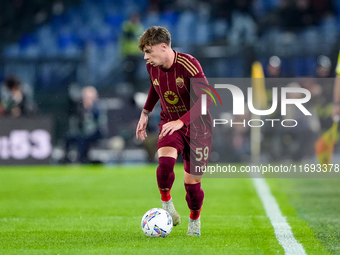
point(156, 222)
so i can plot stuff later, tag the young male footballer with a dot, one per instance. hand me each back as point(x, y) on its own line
point(183, 130)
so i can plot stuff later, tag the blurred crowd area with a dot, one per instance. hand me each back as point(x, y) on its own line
point(76, 22)
point(103, 33)
point(52, 50)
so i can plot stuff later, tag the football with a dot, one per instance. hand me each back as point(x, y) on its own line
point(156, 223)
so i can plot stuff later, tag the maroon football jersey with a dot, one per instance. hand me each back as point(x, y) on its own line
point(179, 99)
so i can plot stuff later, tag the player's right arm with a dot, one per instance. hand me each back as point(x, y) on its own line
point(336, 99)
point(151, 101)
point(142, 123)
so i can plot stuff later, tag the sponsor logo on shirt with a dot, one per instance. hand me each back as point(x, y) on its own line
point(171, 97)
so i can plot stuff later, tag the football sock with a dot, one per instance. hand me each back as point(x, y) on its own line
point(194, 215)
point(194, 197)
point(165, 176)
point(165, 195)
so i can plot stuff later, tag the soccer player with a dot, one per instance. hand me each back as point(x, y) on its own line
point(336, 100)
point(170, 73)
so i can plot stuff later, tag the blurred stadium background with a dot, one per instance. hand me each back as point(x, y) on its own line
point(56, 48)
point(61, 52)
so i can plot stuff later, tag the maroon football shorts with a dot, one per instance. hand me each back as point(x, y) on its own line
point(195, 151)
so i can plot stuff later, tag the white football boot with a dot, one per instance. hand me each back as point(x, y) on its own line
point(194, 228)
point(170, 208)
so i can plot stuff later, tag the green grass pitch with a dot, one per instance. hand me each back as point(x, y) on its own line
point(98, 210)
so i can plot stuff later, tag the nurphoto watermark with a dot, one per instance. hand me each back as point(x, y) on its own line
point(263, 128)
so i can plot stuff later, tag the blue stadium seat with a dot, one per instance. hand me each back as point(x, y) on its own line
point(27, 39)
point(170, 17)
point(115, 20)
point(299, 67)
point(29, 46)
point(285, 67)
point(104, 34)
point(84, 33)
point(186, 27)
point(310, 38)
point(328, 34)
point(57, 22)
point(311, 66)
point(151, 19)
point(47, 41)
point(93, 61)
point(71, 50)
point(66, 37)
point(337, 10)
point(203, 34)
point(304, 66)
point(219, 28)
point(11, 50)
point(30, 51)
point(261, 7)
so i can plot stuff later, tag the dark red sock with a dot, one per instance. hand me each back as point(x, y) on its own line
point(194, 197)
point(194, 215)
point(165, 176)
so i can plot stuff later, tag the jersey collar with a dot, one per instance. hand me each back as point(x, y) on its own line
point(173, 63)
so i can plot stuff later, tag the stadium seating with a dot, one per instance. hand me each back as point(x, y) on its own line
point(93, 26)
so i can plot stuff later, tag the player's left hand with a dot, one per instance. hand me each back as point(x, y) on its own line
point(171, 127)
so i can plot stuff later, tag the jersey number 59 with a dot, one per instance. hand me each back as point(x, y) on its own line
point(202, 153)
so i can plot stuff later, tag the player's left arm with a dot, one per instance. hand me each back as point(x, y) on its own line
point(194, 72)
point(199, 82)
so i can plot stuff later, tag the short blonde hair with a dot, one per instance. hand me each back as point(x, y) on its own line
point(154, 35)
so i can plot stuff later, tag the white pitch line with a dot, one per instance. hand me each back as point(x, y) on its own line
point(283, 231)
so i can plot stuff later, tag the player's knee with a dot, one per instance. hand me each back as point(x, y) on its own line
point(166, 164)
point(192, 180)
point(191, 188)
point(165, 173)
point(189, 178)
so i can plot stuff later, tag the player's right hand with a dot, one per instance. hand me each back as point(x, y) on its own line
point(141, 127)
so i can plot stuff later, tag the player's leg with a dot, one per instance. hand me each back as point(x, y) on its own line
point(167, 157)
point(168, 148)
point(194, 197)
point(195, 156)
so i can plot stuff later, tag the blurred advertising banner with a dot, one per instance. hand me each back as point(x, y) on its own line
point(26, 141)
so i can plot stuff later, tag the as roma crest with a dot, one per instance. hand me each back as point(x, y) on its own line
point(180, 82)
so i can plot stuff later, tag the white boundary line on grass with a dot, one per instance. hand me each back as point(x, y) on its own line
point(283, 231)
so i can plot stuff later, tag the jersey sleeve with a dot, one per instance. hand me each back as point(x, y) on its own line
point(195, 110)
point(152, 99)
point(153, 96)
point(337, 70)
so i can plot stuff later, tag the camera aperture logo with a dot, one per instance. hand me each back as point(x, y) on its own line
point(204, 97)
point(239, 105)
